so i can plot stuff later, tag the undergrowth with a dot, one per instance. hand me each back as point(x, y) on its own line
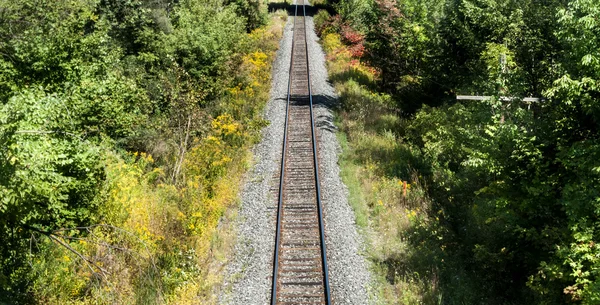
point(388, 199)
point(157, 241)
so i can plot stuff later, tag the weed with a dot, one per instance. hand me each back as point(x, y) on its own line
point(385, 193)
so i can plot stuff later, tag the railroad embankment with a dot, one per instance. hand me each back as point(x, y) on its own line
point(125, 129)
point(249, 273)
point(388, 208)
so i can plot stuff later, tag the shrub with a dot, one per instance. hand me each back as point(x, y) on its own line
point(123, 138)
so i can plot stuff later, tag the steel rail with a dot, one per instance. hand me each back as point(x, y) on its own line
point(323, 253)
point(282, 173)
point(317, 183)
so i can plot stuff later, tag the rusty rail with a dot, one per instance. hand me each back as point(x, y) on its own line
point(300, 274)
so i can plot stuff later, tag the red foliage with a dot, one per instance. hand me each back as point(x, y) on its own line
point(354, 39)
point(358, 50)
point(388, 14)
point(351, 35)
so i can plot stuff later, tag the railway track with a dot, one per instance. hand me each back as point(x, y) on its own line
point(300, 260)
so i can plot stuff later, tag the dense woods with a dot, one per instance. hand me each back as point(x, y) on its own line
point(505, 194)
point(124, 128)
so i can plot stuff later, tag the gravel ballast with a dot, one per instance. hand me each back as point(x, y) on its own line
point(248, 278)
point(349, 275)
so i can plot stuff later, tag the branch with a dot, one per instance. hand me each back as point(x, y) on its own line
point(42, 132)
point(183, 149)
point(89, 228)
point(88, 261)
point(137, 257)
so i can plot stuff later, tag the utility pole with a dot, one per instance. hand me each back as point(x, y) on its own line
point(502, 98)
point(501, 89)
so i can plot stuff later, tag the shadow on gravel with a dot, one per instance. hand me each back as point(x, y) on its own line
point(325, 122)
point(322, 122)
point(324, 101)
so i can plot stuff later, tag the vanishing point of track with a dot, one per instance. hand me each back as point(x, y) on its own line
point(300, 259)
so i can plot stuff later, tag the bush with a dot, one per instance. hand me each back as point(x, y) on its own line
point(123, 137)
point(322, 22)
point(254, 11)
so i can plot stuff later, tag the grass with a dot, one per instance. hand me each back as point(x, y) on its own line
point(375, 166)
point(412, 252)
point(386, 217)
point(353, 181)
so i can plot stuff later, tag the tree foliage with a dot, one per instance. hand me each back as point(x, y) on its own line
point(81, 81)
point(517, 184)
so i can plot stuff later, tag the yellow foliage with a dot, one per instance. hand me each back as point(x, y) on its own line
point(261, 34)
point(225, 125)
point(332, 42)
point(340, 58)
point(257, 59)
point(130, 193)
point(167, 219)
point(186, 294)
